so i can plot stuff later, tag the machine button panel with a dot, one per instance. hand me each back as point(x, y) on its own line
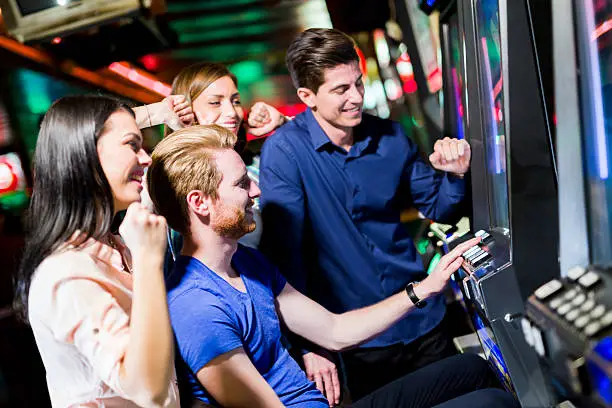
point(572, 315)
point(582, 321)
point(470, 251)
point(606, 319)
point(588, 305)
point(548, 289)
point(598, 312)
point(589, 279)
point(575, 273)
point(592, 329)
point(579, 300)
point(477, 255)
point(564, 309)
point(570, 294)
point(555, 303)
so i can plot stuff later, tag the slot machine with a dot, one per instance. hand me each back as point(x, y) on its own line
point(494, 97)
point(570, 316)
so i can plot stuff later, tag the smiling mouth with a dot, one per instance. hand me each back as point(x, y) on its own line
point(352, 110)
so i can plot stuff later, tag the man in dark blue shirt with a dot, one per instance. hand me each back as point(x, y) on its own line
point(334, 182)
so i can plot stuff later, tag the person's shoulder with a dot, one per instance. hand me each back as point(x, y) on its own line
point(63, 265)
point(56, 270)
point(197, 298)
point(288, 134)
point(254, 264)
point(186, 282)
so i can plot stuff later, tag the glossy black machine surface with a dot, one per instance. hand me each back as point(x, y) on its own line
point(494, 96)
point(572, 313)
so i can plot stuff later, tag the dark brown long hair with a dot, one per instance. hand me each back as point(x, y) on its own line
point(70, 189)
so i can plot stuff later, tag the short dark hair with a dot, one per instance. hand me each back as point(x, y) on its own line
point(71, 192)
point(315, 50)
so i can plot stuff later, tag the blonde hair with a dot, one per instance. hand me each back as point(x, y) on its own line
point(183, 162)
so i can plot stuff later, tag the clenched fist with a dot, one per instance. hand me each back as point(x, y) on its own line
point(144, 233)
point(451, 155)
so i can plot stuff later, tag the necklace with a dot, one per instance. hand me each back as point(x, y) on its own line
point(124, 261)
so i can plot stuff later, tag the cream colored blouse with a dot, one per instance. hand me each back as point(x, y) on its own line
point(79, 310)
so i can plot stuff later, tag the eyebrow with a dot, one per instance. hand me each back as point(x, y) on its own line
point(244, 176)
point(223, 96)
point(136, 135)
point(343, 85)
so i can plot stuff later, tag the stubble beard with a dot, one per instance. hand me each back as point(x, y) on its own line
point(234, 224)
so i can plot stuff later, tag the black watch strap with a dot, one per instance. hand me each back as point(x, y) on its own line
point(413, 297)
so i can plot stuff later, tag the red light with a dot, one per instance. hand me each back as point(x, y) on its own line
point(145, 81)
point(56, 40)
point(150, 62)
point(404, 57)
point(363, 65)
point(8, 177)
point(410, 86)
point(435, 80)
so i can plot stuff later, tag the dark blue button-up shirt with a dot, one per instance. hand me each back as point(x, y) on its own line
point(332, 217)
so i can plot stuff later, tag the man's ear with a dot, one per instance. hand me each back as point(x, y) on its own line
point(198, 203)
point(307, 96)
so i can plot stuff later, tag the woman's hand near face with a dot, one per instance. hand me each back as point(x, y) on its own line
point(180, 114)
point(174, 111)
point(144, 233)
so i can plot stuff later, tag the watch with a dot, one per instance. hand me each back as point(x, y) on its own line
point(413, 297)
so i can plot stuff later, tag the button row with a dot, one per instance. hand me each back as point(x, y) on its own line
point(475, 256)
point(583, 313)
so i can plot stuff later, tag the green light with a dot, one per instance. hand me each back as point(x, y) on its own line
point(422, 245)
point(247, 72)
point(223, 52)
point(34, 88)
point(220, 21)
point(227, 33)
point(434, 262)
point(264, 89)
point(15, 200)
point(191, 7)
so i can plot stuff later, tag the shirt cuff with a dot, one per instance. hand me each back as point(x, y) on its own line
point(456, 184)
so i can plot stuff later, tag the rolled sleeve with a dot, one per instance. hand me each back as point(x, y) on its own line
point(434, 193)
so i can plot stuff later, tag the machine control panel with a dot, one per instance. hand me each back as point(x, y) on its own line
point(479, 254)
point(574, 302)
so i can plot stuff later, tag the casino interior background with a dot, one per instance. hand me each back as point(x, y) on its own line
point(136, 54)
point(476, 69)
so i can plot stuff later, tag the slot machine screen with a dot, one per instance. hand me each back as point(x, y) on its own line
point(490, 70)
point(458, 84)
point(595, 41)
point(491, 351)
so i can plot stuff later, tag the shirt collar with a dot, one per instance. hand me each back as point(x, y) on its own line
point(320, 139)
point(317, 135)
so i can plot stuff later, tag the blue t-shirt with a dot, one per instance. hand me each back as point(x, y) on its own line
point(210, 318)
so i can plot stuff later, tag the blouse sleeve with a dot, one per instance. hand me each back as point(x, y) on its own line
point(83, 312)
